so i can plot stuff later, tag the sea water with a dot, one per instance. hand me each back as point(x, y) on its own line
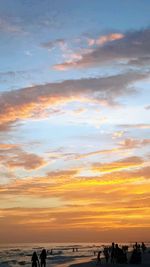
point(58, 254)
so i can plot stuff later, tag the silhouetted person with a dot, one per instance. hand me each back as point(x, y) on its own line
point(113, 253)
point(136, 256)
point(99, 257)
point(106, 254)
point(43, 256)
point(34, 259)
point(125, 248)
point(120, 255)
point(143, 247)
point(135, 246)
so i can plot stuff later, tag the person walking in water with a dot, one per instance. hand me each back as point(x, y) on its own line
point(43, 256)
point(35, 260)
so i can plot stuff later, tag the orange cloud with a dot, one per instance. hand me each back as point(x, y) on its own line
point(114, 200)
point(13, 156)
point(60, 67)
point(109, 38)
point(105, 39)
point(133, 143)
point(26, 161)
point(7, 146)
point(126, 163)
point(95, 206)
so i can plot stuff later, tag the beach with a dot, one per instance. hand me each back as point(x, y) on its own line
point(64, 255)
point(93, 262)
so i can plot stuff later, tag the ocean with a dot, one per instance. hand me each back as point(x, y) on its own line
point(59, 254)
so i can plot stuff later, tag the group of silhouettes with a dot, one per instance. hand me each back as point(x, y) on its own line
point(35, 259)
point(115, 254)
point(136, 256)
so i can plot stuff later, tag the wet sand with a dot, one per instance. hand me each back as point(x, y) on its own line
point(93, 262)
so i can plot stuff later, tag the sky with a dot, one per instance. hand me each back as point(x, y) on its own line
point(74, 120)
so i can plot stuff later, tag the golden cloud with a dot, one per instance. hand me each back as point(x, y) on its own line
point(122, 164)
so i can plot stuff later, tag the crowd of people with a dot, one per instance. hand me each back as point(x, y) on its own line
point(113, 254)
point(116, 254)
point(136, 256)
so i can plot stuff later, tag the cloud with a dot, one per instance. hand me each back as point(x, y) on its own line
point(7, 74)
point(118, 134)
point(147, 107)
point(28, 161)
point(97, 152)
point(7, 146)
point(122, 164)
point(130, 143)
point(54, 43)
point(12, 157)
point(9, 26)
point(63, 201)
point(25, 103)
point(135, 126)
point(102, 196)
point(45, 225)
point(63, 173)
point(123, 145)
point(4, 127)
point(132, 48)
point(68, 184)
point(105, 39)
point(143, 172)
point(60, 67)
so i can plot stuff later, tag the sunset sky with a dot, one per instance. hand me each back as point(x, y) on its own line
point(74, 120)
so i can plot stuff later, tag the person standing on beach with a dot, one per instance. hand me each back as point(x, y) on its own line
point(99, 257)
point(136, 257)
point(113, 253)
point(143, 247)
point(35, 260)
point(106, 254)
point(43, 256)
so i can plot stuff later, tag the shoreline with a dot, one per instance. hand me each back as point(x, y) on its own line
point(65, 256)
point(93, 262)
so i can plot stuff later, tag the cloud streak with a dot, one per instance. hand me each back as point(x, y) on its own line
point(132, 48)
point(122, 164)
point(53, 44)
point(105, 39)
point(25, 103)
